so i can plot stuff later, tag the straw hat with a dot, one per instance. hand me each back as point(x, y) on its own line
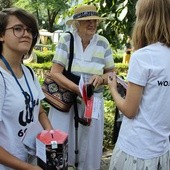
point(84, 12)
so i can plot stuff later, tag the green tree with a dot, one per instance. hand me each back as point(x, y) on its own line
point(46, 11)
point(5, 4)
point(120, 16)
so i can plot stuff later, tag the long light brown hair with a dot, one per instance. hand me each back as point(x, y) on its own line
point(152, 23)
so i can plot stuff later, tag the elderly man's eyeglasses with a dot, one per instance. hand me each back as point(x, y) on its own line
point(19, 31)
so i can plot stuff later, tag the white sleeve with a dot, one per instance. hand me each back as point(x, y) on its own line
point(31, 75)
point(2, 94)
point(139, 68)
point(41, 93)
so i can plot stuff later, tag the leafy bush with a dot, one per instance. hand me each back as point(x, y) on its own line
point(118, 57)
point(46, 106)
point(43, 66)
point(44, 56)
point(121, 68)
point(106, 94)
point(109, 112)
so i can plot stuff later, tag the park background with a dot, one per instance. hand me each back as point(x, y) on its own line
point(51, 16)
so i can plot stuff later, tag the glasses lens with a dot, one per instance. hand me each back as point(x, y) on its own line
point(29, 31)
point(18, 31)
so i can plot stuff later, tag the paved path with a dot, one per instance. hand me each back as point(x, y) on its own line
point(106, 160)
point(104, 163)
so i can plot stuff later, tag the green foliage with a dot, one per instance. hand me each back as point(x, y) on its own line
point(44, 56)
point(46, 11)
point(44, 66)
point(25, 5)
point(120, 16)
point(120, 19)
point(107, 94)
point(41, 80)
point(109, 107)
point(45, 105)
point(118, 57)
point(5, 4)
point(121, 69)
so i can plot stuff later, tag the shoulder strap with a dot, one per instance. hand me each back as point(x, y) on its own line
point(71, 50)
point(4, 88)
point(3, 80)
point(30, 71)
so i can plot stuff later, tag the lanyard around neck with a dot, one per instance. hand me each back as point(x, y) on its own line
point(26, 95)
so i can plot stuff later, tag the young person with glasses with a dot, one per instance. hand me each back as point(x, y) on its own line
point(20, 92)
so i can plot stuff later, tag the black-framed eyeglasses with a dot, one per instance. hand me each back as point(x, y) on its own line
point(19, 31)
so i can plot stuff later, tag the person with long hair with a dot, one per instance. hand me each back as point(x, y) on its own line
point(143, 141)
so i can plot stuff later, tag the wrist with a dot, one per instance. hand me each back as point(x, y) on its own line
point(102, 79)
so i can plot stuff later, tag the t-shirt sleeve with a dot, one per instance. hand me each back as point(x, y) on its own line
point(62, 50)
point(139, 68)
point(108, 56)
point(2, 95)
point(109, 62)
point(36, 82)
point(41, 93)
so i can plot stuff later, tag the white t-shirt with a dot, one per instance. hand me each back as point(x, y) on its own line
point(147, 135)
point(15, 117)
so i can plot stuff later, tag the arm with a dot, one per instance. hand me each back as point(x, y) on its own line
point(11, 161)
point(98, 80)
point(57, 75)
point(43, 118)
point(130, 105)
point(105, 76)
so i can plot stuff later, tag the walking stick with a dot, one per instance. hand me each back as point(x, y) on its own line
point(76, 120)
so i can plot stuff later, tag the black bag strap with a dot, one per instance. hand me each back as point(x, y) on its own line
point(3, 81)
point(71, 50)
point(32, 74)
point(116, 126)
